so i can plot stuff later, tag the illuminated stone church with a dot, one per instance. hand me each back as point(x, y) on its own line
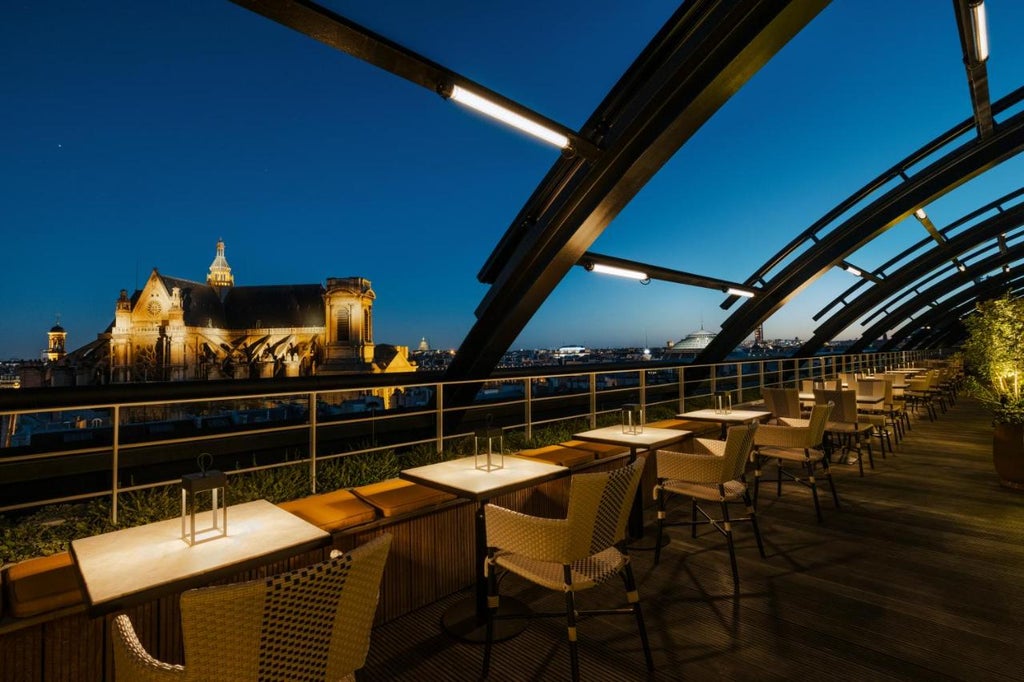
point(179, 330)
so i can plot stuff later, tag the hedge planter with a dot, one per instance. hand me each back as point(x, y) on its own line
point(1008, 454)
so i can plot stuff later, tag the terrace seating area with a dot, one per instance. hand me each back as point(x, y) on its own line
point(875, 589)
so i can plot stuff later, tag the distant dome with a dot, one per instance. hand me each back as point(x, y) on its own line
point(693, 342)
point(57, 329)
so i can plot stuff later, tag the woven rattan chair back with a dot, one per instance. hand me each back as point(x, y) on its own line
point(738, 445)
point(844, 403)
point(599, 505)
point(312, 623)
point(820, 414)
point(782, 402)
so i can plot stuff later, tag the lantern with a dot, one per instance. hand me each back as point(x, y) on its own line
point(723, 403)
point(195, 488)
point(632, 419)
point(488, 449)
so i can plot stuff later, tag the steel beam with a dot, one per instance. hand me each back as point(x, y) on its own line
point(696, 62)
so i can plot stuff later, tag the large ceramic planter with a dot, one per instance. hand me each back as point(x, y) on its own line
point(1008, 454)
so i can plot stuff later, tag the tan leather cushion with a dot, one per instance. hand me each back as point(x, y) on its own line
point(559, 454)
point(331, 511)
point(395, 496)
point(600, 450)
point(42, 584)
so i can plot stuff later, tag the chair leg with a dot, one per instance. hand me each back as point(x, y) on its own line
point(634, 599)
point(661, 524)
point(827, 471)
point(693, 517)
point(752, 514)
point(757, 476)
point(570, 617)
point(727, 531)
point(809, 466)
point(778, 481)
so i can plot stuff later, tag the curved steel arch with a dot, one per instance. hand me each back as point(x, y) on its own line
point(882, 271)
point(900, 280)
point(955, 168)
point(944, 322)
point(695, 63)
point(946, 309)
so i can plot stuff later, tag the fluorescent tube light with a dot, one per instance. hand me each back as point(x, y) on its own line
point(733, 291)
point(853, 271)
point(496, 111)
point(618, 272)
point(979, 31)
point(961, 267)
point(920, 214)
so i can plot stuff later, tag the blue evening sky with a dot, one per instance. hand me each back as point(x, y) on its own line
point(135, 134)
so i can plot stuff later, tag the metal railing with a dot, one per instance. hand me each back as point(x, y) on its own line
point(70, 451)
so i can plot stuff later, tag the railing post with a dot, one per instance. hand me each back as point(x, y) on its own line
point(312, 442)
point(682, 389)
point(593, 399)
point(440, 418)
point(115, 453)
point(643, 390)
point(528, 394)
point(739, 382)
point(760, 377)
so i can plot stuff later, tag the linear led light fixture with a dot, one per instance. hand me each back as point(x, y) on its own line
point(618, 272)
point(920, 214)
point(979, 30)
point(853, 271)
point(505, 115)
point(645, 272)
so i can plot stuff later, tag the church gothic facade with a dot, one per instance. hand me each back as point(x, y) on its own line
point(180, 330)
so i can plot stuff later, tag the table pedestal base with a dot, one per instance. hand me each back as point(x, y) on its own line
point(461, 620)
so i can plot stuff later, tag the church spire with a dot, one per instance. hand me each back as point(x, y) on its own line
point(220, 272)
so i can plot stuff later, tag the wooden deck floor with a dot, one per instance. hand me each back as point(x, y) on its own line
point(919, 576)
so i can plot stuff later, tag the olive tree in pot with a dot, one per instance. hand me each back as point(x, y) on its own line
point(994, 358)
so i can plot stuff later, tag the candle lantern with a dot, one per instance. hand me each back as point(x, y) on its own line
point(488, 448)
point(195, 488)
point(632, 419)
point(723, 403)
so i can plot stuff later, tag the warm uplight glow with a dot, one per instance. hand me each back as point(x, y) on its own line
point(920, 214)
point(733, 291)
point(979, 31)
point(618, 272)
point(853, 271)
point(489, 108)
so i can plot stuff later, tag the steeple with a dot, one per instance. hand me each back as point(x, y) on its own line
point(220, 272)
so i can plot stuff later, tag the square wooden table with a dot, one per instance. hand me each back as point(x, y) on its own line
point(726, 419)
point(648, 439)
point(139, 564)
point(467, 619)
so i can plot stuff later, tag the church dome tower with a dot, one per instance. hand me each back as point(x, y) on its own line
point(220, 272)
point(56, 347)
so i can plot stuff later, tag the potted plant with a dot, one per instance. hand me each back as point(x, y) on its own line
point(994, 359)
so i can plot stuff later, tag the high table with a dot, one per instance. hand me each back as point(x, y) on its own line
point(136, 565)
point(467, 619)
point(726, 419)
point(648, 439)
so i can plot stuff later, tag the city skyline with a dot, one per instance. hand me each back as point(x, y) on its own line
point(137, 136)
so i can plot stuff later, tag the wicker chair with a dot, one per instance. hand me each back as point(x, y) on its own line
point(312, 623)
point(846, 427)
point(568, 555)
point(713, 473)
point(795, 442)
point(877, 414)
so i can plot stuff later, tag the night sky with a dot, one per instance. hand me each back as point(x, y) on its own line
point(137, 134)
